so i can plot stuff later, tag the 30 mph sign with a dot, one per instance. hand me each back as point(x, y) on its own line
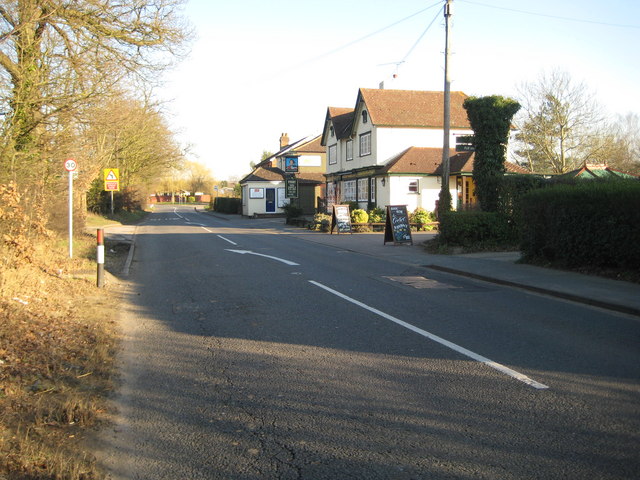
point(70, 165)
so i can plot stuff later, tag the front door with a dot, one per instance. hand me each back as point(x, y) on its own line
point(270, 206)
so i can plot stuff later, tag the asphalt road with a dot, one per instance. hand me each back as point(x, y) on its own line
point(254, 354)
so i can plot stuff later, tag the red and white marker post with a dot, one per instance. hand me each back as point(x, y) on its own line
point(100, 257)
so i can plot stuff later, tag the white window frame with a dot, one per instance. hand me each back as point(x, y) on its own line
point(333, 154)
point(365, 144)
point(363, 189)
point(414, 186)
point(349, 191)
point(349, 150)
point(372, 190)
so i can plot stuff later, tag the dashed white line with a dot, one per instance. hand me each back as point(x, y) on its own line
point(468, 353)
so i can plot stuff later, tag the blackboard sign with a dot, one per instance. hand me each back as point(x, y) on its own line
point(341, 219)
point(397, 228)
point(291, 187)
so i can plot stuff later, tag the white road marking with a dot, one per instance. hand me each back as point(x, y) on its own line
point(242, 252)
point(468, 353)
point(223, 238)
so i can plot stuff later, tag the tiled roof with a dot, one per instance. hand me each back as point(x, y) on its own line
point(413, 108)
point(421, 160)
point(264, 174)
point(415, 160)
point(312, 146)
point(342, 119)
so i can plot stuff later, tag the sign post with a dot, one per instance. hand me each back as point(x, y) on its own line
point(70, 166)
point(111, 182)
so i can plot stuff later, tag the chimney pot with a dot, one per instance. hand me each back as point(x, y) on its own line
point(284, 140)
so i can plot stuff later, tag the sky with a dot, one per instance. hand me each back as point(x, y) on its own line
point(259, 69)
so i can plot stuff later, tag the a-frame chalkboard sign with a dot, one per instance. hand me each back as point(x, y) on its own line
point(397, 228)
point(341, 219)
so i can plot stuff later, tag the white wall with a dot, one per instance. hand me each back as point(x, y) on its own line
point(253, 206)
point(429, 189)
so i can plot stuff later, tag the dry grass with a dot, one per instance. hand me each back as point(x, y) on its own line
point(56, 358)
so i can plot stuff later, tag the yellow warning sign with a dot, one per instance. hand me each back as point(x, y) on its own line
point(111, 179)
point(111, 174)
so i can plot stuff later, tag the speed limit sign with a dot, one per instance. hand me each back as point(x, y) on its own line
point(70, 165)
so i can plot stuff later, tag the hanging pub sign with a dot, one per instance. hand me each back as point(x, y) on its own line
point(397, 228)
point(341, 219)
point(291, 187)
point(291, 164)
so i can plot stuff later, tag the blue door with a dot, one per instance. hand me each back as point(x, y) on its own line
point(270, 200)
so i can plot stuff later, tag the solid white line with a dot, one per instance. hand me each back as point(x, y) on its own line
point(225, 239)
point(468, 353)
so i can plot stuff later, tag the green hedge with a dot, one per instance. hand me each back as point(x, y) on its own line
point(587, 224)
point(227, 205)
point(477, 229)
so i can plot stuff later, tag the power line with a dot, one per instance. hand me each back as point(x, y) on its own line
point(546, 15)
point(353, 42)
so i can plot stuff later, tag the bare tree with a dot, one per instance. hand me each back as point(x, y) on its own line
point(625, 154)
point(561, 126)
point(57, 57)
point(130, 135)
point(198, 177)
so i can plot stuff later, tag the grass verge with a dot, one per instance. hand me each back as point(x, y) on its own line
point(57, 350)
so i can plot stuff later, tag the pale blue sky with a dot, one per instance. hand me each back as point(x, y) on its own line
point(262, 68)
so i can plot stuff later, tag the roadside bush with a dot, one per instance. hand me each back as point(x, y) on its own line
point(322, 222)
point(477, 229)
point(360, 216)
point(191, 199)
point(594, 224)
point(422, 217)
point(377, 215)
point(292, 211)
point(227, 205)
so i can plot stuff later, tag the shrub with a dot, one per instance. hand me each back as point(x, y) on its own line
point(292, 211)
point(360, 216)
point(477, 229)
point(227, 205)
point(377, 215)
point(322, 222)
point(595, 224)
point(422, 217)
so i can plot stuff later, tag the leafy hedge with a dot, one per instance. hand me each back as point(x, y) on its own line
point(473, 228)
point(587, 224)
point(227, 205)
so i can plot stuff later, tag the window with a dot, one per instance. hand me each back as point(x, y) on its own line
point(333, 157)
point(349, 191)
point(365, 144)
point(372, 190)
point(331, 193)
point(349, 150)
point(363, 189)
point(365, 116)
point(413, 186)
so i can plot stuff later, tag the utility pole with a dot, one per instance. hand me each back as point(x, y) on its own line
point(445, 196)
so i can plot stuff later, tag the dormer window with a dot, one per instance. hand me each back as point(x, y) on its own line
point(365, 116)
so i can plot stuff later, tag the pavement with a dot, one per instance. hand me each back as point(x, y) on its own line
point(495, 267)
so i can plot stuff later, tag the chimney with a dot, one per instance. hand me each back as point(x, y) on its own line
point(284, 140)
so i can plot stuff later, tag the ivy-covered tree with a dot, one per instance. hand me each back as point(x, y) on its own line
point(490, 118)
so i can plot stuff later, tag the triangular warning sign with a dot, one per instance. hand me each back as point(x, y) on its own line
point(111, 176)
